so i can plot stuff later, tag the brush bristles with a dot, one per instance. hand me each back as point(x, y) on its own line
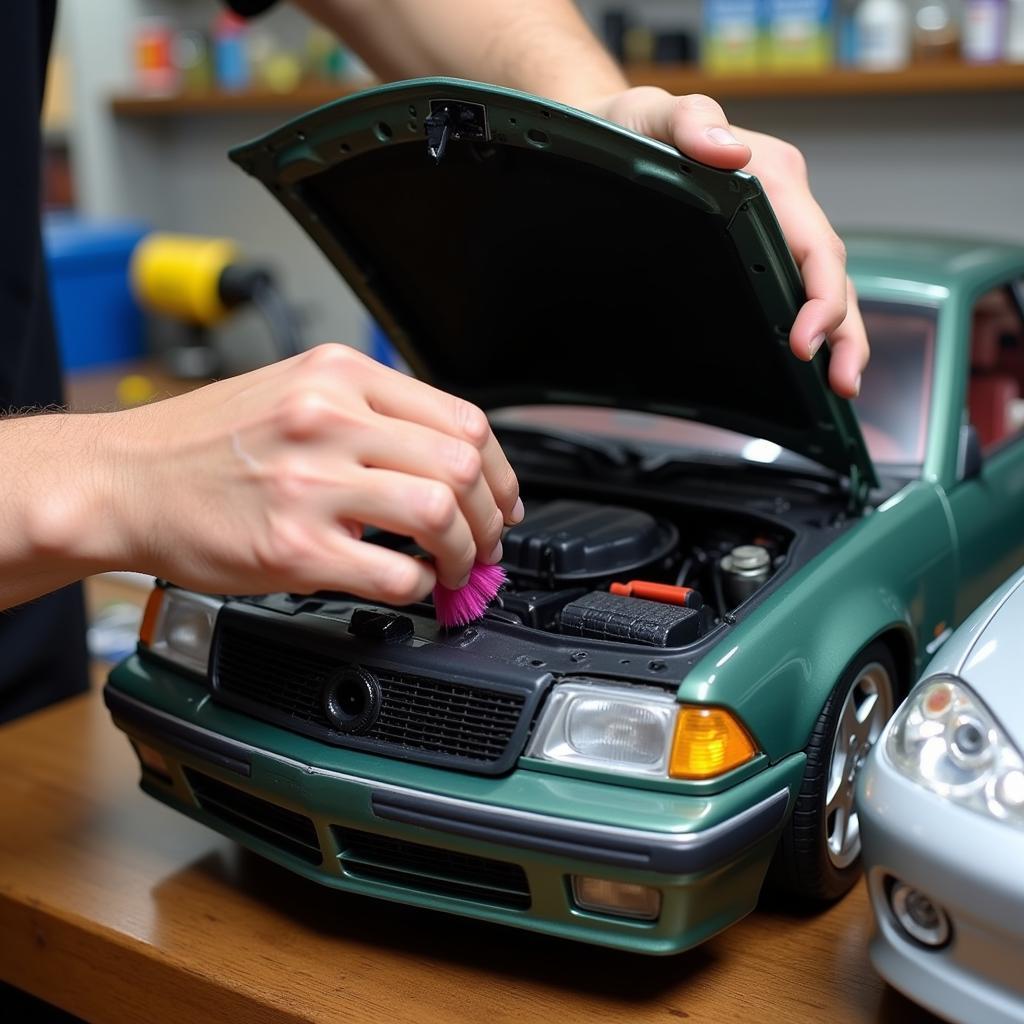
point(465, 605)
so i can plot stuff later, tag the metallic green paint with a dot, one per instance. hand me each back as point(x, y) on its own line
point(950, 275)
point(349, 128)
point(922, 559)
point(695, 906)
point(561, 795)
point(903, 571)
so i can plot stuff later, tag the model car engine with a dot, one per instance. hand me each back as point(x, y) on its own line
point(612, 572)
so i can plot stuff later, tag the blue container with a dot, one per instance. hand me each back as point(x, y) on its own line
point(381, 348)
point(97, 319)
point(230, 56)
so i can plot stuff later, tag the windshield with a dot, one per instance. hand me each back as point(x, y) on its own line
point(896, 391)
point(892, 407)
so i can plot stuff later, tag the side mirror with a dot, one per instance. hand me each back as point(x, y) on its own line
point(969, 457)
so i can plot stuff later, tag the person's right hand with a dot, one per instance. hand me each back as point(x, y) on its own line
point(264, 482)
point(698, 127)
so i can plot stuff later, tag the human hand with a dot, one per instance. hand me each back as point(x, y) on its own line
point(697, 126)
point(264, 482)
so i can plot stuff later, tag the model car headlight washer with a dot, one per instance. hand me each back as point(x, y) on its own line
point(638, 731)
point(947, 740)
point(178, 627)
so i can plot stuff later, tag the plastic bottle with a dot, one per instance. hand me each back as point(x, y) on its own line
point(883, 35)
point(984, 30)
point(799, 35)
point(230, 56)
point(1015, 32)
point(846, 33)
point(936, 32)
point(155, 71)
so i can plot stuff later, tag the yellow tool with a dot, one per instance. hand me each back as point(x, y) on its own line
point(200, 281)
point(180, 276)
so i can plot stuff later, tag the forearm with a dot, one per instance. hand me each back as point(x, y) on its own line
point(541, 46)
point(56, 517)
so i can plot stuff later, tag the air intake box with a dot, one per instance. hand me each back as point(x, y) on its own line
point(602, 616)
point(571, 542)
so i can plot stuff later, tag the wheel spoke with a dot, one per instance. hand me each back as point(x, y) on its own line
point(865, 718)
point(837, 798)
point(848, 724)
point(837, 836)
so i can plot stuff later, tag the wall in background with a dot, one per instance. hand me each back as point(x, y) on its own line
point(935, 163)
point(951, 164)
point(174, 174)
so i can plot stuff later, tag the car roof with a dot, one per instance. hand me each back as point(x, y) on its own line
point(945, 261)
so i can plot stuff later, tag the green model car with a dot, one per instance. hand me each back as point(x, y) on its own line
point(727, 577)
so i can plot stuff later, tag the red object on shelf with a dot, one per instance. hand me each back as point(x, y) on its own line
point(155, 71)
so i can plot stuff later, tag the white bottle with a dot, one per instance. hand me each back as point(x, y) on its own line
point(1015, 32)
point(883, 35)
point(984, 31)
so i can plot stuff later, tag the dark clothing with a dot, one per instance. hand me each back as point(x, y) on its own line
point(248, 8)
point(42, 644)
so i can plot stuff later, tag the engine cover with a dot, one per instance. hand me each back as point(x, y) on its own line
point(572, 542)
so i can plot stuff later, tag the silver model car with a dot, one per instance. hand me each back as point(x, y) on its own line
point(941, 811)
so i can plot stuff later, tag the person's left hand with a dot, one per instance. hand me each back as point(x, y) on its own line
point(698, 127)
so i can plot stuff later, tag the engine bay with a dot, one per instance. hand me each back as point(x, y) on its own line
point(627, 574)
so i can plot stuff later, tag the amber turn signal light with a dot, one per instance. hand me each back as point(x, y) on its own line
point(708, 742)
point(149, 617)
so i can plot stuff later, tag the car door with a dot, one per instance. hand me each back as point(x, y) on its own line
point(987, 501)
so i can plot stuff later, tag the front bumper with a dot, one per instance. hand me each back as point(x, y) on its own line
point(968, 865)
point(707, 855)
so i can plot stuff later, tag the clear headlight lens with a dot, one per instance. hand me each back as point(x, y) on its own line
point(635, 730)
point(603, 726)
point(178, 626)
point(945, 738)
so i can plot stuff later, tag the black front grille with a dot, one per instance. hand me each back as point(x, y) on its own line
point(430, 869)
point(284, 683)
point(294, 833)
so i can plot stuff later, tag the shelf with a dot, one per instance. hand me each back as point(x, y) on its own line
point(919, 80)
point(304, 97)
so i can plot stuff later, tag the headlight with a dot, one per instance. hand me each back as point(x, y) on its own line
point(634, 730)
point(178, 626)
point(945, 738)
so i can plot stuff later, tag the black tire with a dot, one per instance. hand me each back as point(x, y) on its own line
point(804, 866)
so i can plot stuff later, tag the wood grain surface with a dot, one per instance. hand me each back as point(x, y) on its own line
point(117, 909)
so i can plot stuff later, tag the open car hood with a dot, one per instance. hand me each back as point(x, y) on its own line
point(548, 256)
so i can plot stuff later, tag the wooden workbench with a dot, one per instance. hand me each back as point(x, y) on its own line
point(118, 909)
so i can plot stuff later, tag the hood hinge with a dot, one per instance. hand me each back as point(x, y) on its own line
point(859, 490)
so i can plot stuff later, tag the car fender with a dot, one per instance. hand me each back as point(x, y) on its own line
point(892, 574)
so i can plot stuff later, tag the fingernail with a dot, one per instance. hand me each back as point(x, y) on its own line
point(856, 386)
point(518, 512)
point(722, 137)
point(463, 582)
point(816, 342)
point(495, 556)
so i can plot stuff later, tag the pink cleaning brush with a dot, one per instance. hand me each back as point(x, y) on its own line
point(465, 605)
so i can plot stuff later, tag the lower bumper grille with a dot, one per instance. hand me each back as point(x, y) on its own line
point(430, 869)
point(288, 831)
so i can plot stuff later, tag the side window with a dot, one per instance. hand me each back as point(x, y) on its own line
point(995, 397)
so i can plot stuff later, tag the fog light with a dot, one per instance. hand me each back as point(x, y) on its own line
point(623, 899)
point(918, 916)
